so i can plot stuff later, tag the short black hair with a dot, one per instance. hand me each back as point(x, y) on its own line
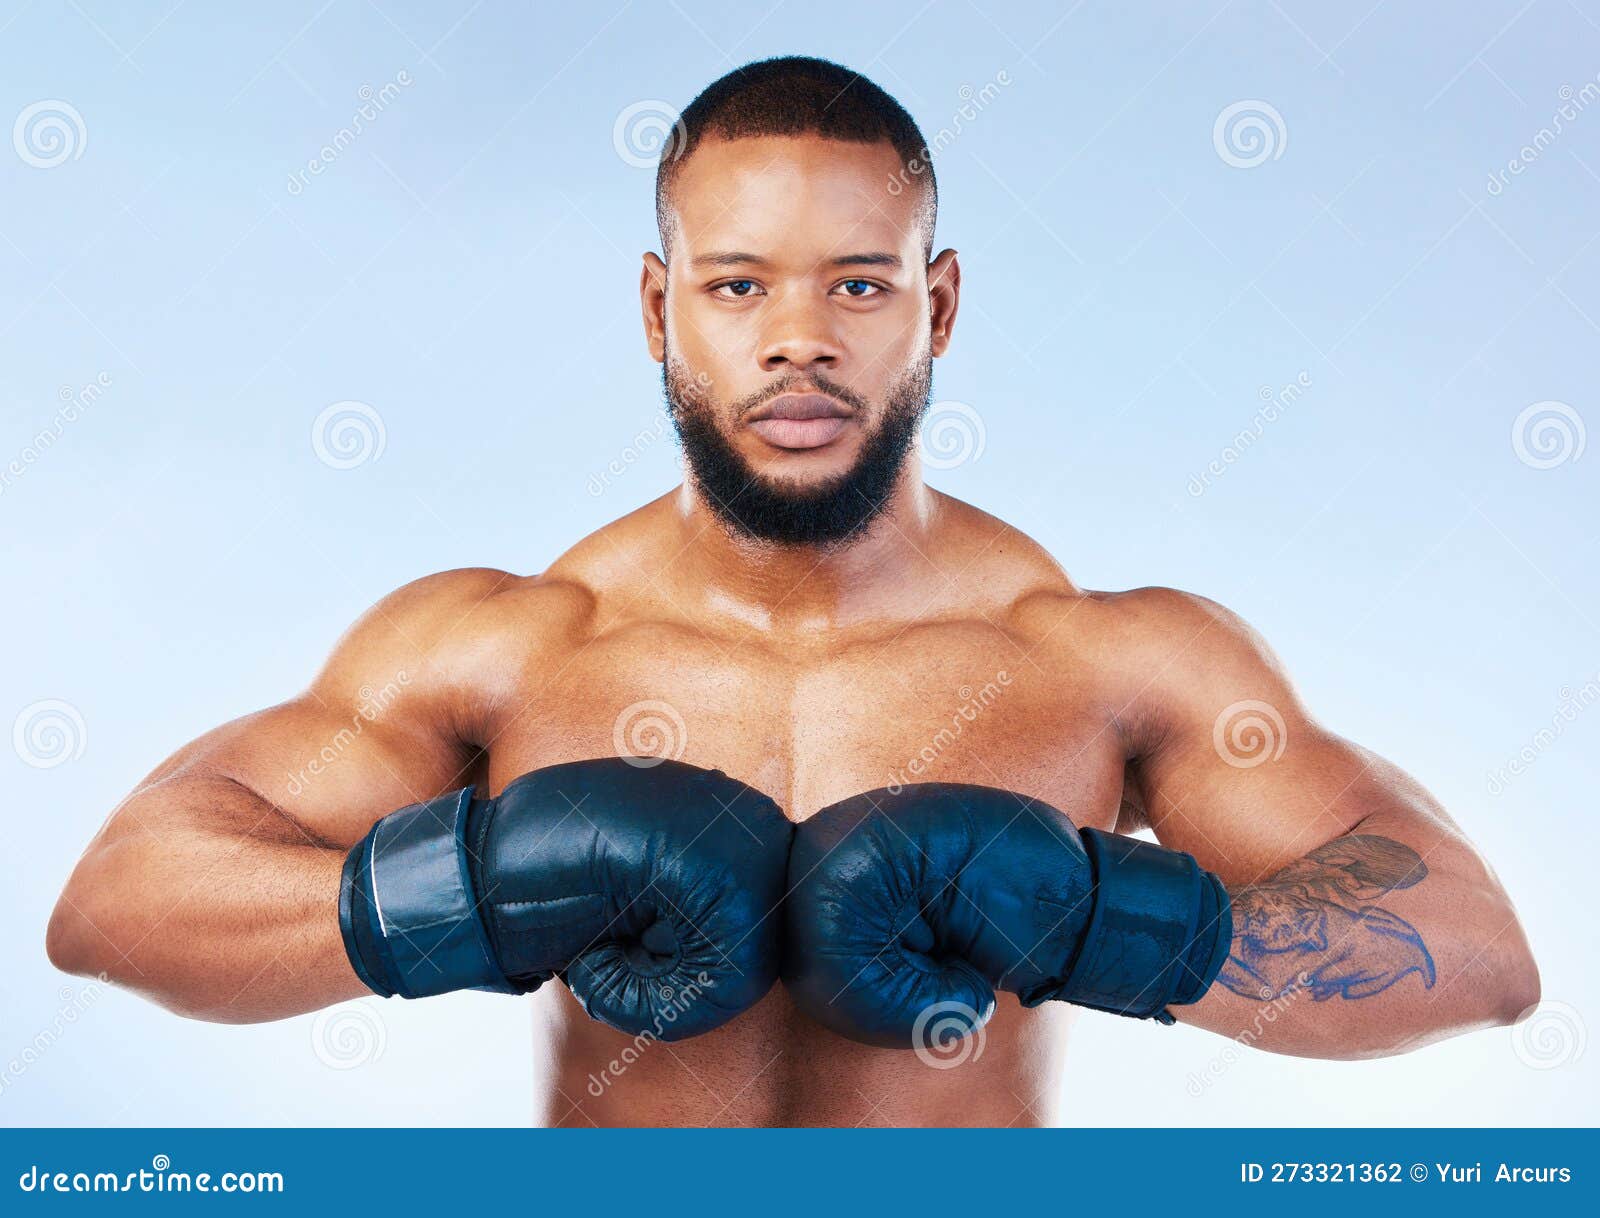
point(799, 95)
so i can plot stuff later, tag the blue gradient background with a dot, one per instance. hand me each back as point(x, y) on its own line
point(468, 269)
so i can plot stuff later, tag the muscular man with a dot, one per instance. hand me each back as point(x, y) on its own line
point(806, 616)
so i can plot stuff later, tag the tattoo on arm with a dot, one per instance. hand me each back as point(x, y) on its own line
point(1315, 925)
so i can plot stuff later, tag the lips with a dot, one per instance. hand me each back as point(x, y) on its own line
point(799, 420)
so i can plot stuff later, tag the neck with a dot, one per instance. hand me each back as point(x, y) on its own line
point(770, 585)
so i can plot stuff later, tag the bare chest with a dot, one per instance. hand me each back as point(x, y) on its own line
point(812, 725)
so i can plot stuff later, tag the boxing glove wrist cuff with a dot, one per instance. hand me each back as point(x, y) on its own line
point(407, 910)
point(1158, 934)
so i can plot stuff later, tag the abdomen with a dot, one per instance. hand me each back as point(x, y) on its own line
point(773, 1066)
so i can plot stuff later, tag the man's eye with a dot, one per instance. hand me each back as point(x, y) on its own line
point(860, 288)
point(737, 288)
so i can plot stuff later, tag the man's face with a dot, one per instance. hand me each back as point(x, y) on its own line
point(795, 331)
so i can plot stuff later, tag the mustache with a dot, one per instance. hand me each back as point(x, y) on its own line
point(798, 383)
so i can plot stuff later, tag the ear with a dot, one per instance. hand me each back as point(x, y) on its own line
point(653, 305)
point(944, 298)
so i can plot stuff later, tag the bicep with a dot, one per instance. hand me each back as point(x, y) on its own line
point(1246, 820)
point(1235, 770)
point(326, 767)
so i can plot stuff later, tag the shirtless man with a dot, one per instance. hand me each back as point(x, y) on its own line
point(806, 616)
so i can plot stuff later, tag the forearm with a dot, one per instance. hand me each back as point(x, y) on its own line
point(204, 898)
point(1381, 941)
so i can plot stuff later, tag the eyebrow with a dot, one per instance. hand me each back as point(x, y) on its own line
point(738, 258)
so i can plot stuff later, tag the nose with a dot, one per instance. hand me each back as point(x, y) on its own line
point(799, 336)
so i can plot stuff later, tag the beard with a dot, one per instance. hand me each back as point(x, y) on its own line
point(828, 514)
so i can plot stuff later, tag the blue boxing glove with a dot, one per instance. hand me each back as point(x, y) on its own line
point(652, 891)
point(909, 908)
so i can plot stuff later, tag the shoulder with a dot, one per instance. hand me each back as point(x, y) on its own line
point(1158, 656)
point(1144, 628)
point(1148, 626)
point(452, 641)
point(1181, 629)
point(466, 602)
point(1193, 666)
